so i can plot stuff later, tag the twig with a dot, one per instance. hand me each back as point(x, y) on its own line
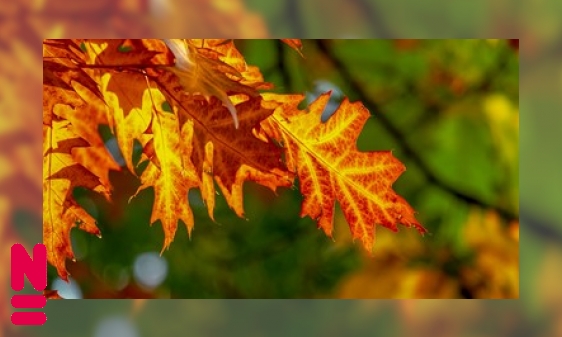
point(292, 11)
point(542, 228)
point(375, 20)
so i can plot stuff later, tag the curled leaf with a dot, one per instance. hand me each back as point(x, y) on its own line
point(200, 74)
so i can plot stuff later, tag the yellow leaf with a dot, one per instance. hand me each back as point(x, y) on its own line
point(130, 105)
point(174, 175)
point(330, 167)
point(61, 174)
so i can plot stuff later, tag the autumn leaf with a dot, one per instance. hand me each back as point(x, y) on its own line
point(72, 110)
point(151, 106)
point(224, 154)
point(234, 156)
point(61, 63)
point(70, 92)
point(171, 173)
point(226, 51)
point(127, 105)
point(130, 106)
point(179, 100)
point(296, 44)
point(202, 70)
point(331, 168)
point(61, 174)
point(52, 295)
point(220, 153)
point(495, 245)
point(85, 121)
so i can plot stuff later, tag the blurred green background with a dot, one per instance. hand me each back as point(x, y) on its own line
point(538, 313)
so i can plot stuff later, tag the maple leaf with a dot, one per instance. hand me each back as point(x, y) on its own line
point(223, 154)
point(227, 52)
point(123, 53)
point(127, 107)
point(71, 93)
point(52, 294)
point(216, 153)
point(72, 110)
point(61, 64)
point(331, 168)
point(61, 174)
point(85, 121)
point(182, 115)
point(234, 156)
point(171, 173)
point(296, 44)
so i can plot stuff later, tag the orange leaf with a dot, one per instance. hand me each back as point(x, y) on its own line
point(185, 130)
point(72, 110)
point(61, 174)
point(331, 168)
point(122, 53)
point(85, 121)
point(127, 105)
point(130, 106)
point(173, 174)
point(52, 295)
point(97, 160)
point(234, 156)
point(226, 51)
point(222, 153)
point(182, 115)
point(202, 71)
point(296, 44)
point(61, 59)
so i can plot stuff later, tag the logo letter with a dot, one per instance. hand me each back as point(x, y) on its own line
point(36, 271)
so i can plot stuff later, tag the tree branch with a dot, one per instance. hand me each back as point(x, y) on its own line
point(292, 11)
point(543, 229)
point(375, 21)
point(373, 106)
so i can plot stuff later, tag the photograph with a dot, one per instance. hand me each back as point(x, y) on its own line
point(281, 168)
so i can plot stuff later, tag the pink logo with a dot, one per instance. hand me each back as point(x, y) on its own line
point(36, 271)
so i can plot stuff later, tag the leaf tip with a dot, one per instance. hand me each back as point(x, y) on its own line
point(52, 295)
point(166, 245)
point(422, 230)
point(189, 231)
point(64, 275)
